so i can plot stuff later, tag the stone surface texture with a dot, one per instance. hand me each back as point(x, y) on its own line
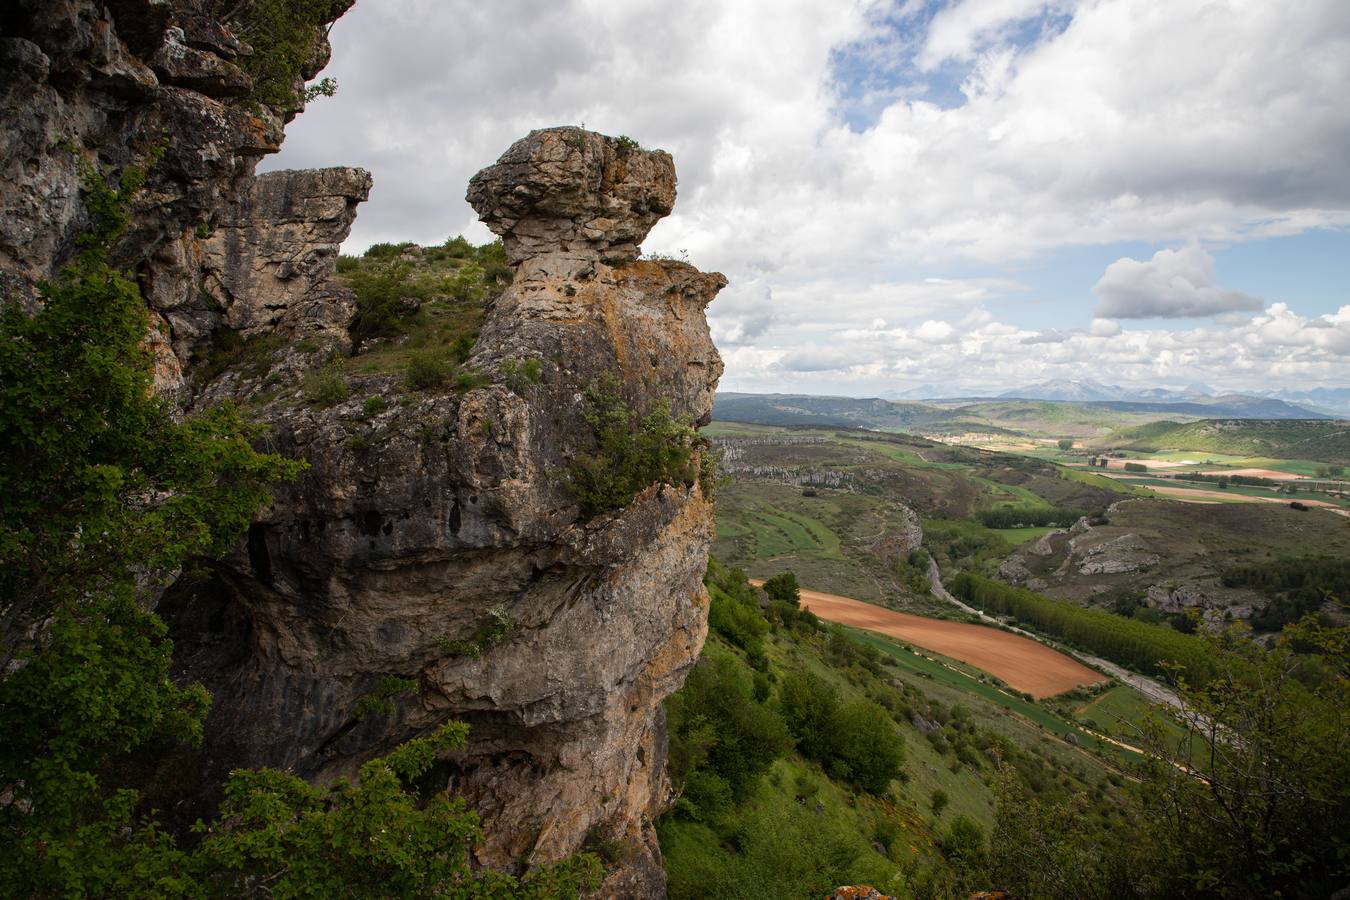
point(265, 267)
point(108, 84)
point(416, 526)
point(565, 189)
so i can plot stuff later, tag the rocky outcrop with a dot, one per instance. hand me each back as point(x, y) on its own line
point(434, 542)
point(265, 268)
point(1118, 555)
point(430, 558)
point(570, 190)
point(112, 84)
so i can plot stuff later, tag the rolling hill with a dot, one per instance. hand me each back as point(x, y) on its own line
point(1326, 440)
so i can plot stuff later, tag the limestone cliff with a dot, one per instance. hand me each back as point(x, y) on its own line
point(419, 524)
point(425, 517)
point(110, 84)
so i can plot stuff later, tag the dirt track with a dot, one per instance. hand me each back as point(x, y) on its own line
point(1024, 664)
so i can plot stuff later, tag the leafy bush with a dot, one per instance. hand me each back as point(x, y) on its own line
point(380, 701)
point(737, 618)
point(856, 742)
point(784, 588)
point(326, 386)
point(428, 369)
point(631, 452)
point(866, 750)
point(964, 839)
point(718, 727)
point(380, 311)
point(284, 35)
point(1135, 467)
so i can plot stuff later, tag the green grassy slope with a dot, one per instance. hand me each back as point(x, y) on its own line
point(1320, 440)
point(757, 817)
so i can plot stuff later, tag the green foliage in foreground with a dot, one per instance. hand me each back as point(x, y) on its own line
point(1245, 792)
point(632, 452)
point(1155, 649)
point(95, 472)
point(278, 836)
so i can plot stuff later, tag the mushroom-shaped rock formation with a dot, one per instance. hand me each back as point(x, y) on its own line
point(394, 555)
point(565, 189)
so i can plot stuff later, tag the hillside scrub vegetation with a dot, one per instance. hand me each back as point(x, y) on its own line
point(1326, 441)
point(1296, 586)
point(831, 804)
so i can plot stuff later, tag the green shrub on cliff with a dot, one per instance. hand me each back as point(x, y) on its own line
point(631, 452)
point(376, 837)
point(284, 35)
point(106, 492)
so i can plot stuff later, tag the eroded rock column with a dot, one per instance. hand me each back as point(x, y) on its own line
point(385, 560)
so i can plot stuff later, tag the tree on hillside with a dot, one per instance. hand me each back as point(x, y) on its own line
point(1065, 443)
point(784, 588)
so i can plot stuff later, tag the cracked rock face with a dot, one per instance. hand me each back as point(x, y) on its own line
point(117, 83)
point(416, 527)
point(565, 189)
point(265, 267)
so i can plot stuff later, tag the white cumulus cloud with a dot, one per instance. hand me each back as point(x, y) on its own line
point(1173, 284)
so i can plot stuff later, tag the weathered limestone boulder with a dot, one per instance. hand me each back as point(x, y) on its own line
point(566, 189)
point(421, 528)
point(266, 266)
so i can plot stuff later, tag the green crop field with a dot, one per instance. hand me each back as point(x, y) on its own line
point(1016, 536)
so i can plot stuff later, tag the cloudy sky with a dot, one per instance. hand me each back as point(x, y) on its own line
point(967, 194)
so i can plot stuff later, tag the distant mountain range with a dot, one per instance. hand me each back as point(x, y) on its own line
point(997, 415)
point(1314, 403)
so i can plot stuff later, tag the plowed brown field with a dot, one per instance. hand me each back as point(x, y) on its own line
point(1024, 664)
